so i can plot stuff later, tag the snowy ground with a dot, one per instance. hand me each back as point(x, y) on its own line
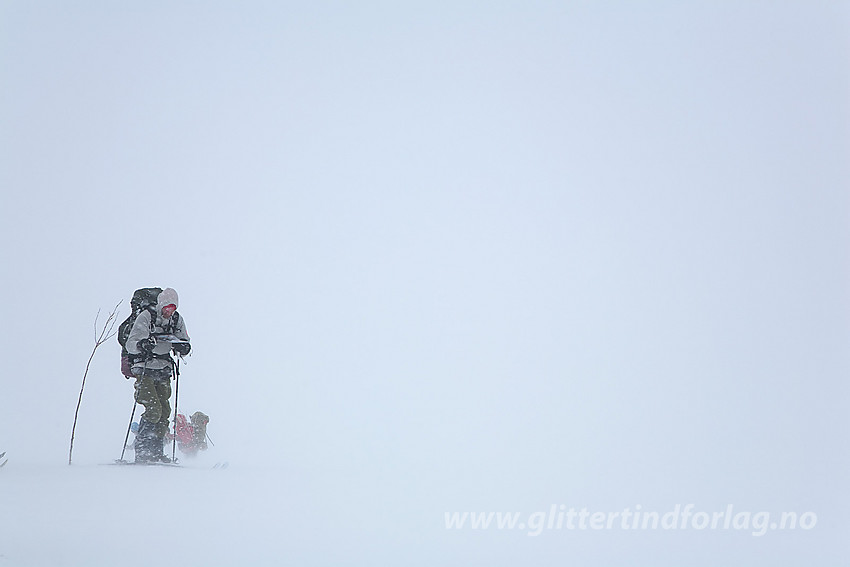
point(90, 514)
point(107, 515)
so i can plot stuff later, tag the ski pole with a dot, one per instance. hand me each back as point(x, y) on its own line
point(129, 427)
point(176, 393)
point(210, 440)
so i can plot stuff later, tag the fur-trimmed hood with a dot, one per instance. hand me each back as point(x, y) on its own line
point(166, 297)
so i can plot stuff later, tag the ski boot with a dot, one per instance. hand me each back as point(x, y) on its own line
point(157, 454)
point(144, 445)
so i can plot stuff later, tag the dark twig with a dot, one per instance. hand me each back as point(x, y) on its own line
point(106, 333)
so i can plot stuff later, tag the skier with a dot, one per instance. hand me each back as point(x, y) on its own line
point(153, 369)
point(191, 433)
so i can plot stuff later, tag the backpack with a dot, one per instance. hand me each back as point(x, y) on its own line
point(143, 299)
point(185, 431)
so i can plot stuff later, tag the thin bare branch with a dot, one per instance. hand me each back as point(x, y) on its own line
point(108, 330)
point(106, 333)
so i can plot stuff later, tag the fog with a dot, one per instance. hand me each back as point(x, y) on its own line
point(437, 258)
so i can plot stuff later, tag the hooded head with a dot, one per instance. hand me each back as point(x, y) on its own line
point(199, 418)
point(165, 300)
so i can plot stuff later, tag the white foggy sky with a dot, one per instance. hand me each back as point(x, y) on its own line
point(524, 252)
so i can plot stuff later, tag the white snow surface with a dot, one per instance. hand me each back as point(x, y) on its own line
point(253, 514)
point(90, 514)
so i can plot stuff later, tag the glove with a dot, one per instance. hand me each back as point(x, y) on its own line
point(182, 348)
point(147, 345)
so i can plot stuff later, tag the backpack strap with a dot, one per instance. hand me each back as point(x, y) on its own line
point(171, 323)
point(152, 311)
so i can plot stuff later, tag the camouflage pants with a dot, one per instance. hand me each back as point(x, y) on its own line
point(153, 390)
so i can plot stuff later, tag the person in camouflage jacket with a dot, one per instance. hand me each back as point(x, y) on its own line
point(155, 334)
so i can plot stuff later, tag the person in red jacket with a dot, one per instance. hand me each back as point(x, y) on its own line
point(191, 434)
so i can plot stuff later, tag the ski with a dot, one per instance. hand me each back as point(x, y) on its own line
point(135, 464)
point(3, 454)
point(220, 466)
